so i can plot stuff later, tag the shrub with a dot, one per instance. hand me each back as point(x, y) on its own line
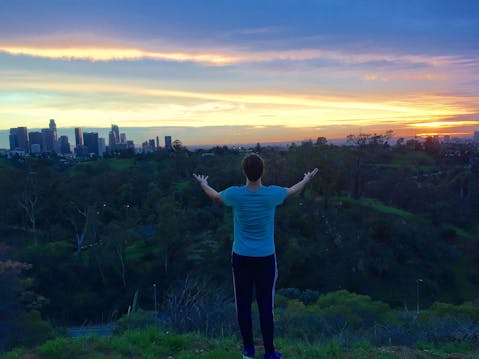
point(137, 320)
point(444, 310)
point(342, 309)
point(196, 305)
point(29, 330)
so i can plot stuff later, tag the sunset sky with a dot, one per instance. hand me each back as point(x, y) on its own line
point(248, 70)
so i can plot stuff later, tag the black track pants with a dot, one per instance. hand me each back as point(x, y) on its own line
point(259, 273)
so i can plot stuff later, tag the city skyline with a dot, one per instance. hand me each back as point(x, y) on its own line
point(23, 141)
point(227, 72)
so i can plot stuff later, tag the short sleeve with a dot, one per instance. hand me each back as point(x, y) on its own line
point(228, 196)
point(279, 195)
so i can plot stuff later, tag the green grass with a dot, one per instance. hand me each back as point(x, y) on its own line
point(377, 206)
point(380, 207)
point(459, 231)
point(150, 343)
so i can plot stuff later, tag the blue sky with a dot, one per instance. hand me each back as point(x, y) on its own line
point(329, 67)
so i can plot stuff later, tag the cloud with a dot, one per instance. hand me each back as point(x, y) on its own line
point(222, 57)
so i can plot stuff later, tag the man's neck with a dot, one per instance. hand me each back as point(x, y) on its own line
point(253, 185)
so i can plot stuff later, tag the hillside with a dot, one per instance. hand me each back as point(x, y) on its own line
point(81, 242)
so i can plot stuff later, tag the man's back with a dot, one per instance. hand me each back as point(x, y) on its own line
point(253, 213)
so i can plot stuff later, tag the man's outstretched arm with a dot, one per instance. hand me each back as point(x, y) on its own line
point(298, 187)
point(210, 192)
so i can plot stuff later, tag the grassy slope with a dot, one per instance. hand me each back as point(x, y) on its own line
point(465, 239)
point(383, 208)
point(147, 344)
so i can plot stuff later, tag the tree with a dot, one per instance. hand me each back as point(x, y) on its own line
point(177, 145)
point(364, 146)
point(10, 290)
point(29, 200)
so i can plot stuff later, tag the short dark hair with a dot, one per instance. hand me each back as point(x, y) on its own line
point(253, 166)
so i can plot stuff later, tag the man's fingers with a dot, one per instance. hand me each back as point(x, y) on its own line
point(311, 174)
point(200, 178)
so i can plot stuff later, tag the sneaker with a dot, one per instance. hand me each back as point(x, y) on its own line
point(248, 353)
point(275, 355)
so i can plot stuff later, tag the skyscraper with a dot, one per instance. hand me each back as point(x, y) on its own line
point(36, 142)
point(122, 137)
point(48, 139)
point(19, 139)
point(64, 145)
point(91, 141)
point(168, 142)
point(114, 137)
point(111, 140)
point(53, 127)
point(151, 144)
point(101, 146)
point(12, 138)
point(78, 136)
point(476, 138)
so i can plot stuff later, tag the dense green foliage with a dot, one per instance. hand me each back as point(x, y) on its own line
point(375, 220)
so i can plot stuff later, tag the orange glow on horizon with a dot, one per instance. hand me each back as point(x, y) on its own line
point(444, 124)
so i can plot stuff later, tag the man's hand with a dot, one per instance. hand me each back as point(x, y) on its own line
point(210, 192)
point(298, 187)
point(309, 175)
point(202, 179)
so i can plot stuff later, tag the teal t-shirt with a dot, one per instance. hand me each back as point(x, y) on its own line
point(253, 213)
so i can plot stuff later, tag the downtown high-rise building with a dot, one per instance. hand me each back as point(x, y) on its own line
point(101, 146)
point(53, 127)
point(475, 139)
point(48, 138)
point(78, 137)
point(36, 142)
point(168, 142)
point(64, 145)
point(19, 139)
point(90, 140)
point(114, 136)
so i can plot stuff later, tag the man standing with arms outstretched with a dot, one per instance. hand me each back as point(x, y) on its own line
point(253, 257)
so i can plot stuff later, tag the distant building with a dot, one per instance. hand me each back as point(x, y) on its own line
point(475, 140)
point(157, 142)
point(122, 138)
point(16, 153)
point(35, 148)
point(151, 144)
point(78, 137)
point(19, 139)
point(130, 144)
point(12, 138)
point(111, 140)
point(64, 145)
point(168, 142)
point(81, 151)
point(114, 137)
point(90, 139)
point(53, 126)
point(48, 140)
point(36, 140)
point(101, 146)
